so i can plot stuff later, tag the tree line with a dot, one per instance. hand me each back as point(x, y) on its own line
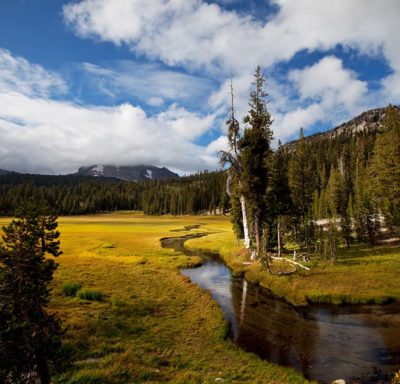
point(77, 195)
point(351, 180)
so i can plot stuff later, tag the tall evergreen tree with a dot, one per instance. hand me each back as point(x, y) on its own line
point(29, 335)
point(255, 153)
point(302, 179)
point(278, 194)
point(385, 168)
point(366, 220)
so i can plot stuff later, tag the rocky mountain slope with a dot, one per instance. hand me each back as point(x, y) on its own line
point(135, 173)
point(365, 123)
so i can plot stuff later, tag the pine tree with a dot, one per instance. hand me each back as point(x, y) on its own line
point(366, 219)
point(278, 194)
point(302, 179)
point(385, 168)
point(29, 335)
point(255, 153)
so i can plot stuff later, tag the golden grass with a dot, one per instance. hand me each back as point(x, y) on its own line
point(153, 325)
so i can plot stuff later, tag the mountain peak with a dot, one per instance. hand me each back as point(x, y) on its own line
point(367, 122)
point(128, 172)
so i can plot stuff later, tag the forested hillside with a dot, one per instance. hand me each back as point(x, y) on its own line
point(75, 195)
point(351, 173)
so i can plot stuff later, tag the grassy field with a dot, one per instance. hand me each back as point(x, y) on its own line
point(144, 322)
point(130, 317)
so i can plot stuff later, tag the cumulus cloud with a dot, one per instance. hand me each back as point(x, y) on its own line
point(192, 36)
point(328, 81)
point(201, 35)
point(217, 145)
point(39, 134)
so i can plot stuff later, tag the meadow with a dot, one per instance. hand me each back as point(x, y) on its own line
point(130, 317)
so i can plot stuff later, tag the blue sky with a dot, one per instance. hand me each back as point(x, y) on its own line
point(147, 81)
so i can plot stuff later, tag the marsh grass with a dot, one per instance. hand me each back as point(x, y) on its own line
point(71, 289)
point(152, 325)
point(362, 274)
point(85, 294)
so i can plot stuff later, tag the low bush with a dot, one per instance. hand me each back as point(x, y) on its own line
point(71, 289)
point(90, 295)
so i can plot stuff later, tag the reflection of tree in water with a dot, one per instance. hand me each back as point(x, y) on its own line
point(272, 328)
point(323, 342)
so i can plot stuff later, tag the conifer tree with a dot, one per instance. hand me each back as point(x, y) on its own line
point(255, 153)
point(29, 335)
point(302, 178)
point(365, 214)
point(278, 194)
point(385, 168)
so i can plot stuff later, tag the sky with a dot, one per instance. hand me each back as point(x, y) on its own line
point(131, 82)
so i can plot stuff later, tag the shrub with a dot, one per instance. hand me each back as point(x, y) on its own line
point(90, 295)
point(108, 245)
point(71, 289)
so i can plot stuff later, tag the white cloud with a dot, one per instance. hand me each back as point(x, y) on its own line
point(199, 36)
point(40, 135)
point(150, 83)
point(196, 34)
point(50, 136)
point(391, 88)
point(290, 123)
point(217, 145)
point(18, 75)
point(329, 82)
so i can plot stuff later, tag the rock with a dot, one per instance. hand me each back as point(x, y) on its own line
point(219, 380)
point(339, 381)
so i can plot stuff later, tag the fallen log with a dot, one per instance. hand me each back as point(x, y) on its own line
point(290, 261)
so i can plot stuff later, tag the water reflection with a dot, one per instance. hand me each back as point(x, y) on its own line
point(360, 344)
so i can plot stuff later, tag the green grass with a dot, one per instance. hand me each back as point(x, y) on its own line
point(71, 289)
point(152, 325)
point(90, 295)
point(361, 275)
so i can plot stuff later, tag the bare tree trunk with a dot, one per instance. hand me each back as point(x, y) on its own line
point(257, 234)
point(245, 222)
point(265, 252)
point(279, 238)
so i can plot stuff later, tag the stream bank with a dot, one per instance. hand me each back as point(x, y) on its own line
point(360, 344)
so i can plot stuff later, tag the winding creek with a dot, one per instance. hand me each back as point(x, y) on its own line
point(360, 344)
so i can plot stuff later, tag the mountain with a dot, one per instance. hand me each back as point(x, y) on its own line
point(366, 123)
point(4, 172)
point(135, 173)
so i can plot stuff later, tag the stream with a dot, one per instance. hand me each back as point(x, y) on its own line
point(357, 343)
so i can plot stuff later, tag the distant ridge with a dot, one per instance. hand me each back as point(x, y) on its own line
point(134, 173)
point(4, 172)
point(367, 122)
